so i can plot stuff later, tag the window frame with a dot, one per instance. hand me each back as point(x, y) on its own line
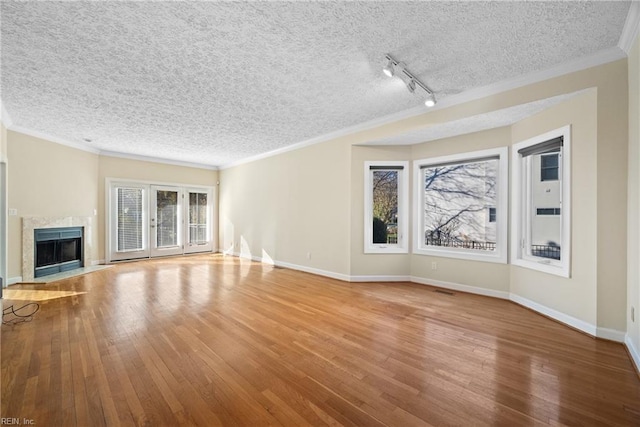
point(402, 246)
point(521, 204)
point(501, 205)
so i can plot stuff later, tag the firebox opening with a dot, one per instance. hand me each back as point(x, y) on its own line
point(57, 250)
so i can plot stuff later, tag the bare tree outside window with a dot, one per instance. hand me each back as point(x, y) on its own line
point(385, 206)
point(457, 198)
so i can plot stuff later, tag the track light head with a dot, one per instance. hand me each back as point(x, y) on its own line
point(430, 101)
point(388, 69)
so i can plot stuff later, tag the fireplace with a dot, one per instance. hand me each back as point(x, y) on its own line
point(57, 250)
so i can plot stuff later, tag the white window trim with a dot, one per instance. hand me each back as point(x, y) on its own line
point(518, 220)
point(402, 246)
point(497, 256)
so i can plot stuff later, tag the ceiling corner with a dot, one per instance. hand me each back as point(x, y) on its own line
point(631, 27)
point(6, 118)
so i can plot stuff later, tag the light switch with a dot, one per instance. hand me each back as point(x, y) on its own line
point(13, 212)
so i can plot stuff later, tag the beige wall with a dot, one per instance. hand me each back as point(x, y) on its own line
point(47, 179)
point(633, 215)
point(373, 264)
point(492, 276)
point(266, 218)
point(3, 143)
point(292, 208)
point(3, 205)
point(305, 207)
point(121, 168)
point(575, 296)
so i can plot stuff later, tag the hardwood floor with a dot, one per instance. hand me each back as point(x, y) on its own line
point(211, 340)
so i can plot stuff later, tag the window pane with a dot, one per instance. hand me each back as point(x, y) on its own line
point(129, 208)
point(385, 206)
point(198, 218)
point(167, 213)
point(545, 232)
point(457, 202)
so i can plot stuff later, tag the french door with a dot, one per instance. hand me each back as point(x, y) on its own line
point(158, 220)
point(198, 207)
point(165, 221)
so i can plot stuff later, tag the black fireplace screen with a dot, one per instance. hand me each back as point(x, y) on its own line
point(57, 249)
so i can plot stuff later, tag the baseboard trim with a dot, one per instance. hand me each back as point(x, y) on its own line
point(581, 325)
point(556, 315)
point(330, 274)
point(633, 353)
point(610, 334)
point(98, 262)
point(305, 269)
point(14, 280)
point(361, 279)
point(462, 288)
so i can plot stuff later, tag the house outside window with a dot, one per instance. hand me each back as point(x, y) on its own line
point(549, 167)
point(541, 205)
point(457, 202)
point(492, 214)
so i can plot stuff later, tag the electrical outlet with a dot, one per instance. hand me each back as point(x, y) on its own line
point(434, 265)
point(13, 212)
point(308, 255)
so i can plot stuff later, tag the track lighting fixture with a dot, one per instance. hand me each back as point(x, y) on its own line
point(411, 85)
point(395, 68)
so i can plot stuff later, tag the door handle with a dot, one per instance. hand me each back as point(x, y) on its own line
point(152, 226)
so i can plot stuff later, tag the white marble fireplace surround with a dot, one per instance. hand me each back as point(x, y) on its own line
point(30, 223)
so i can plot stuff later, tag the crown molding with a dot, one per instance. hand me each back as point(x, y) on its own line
point(631, 27)
point(79, 146)
point(107, 153)
point(599, 58)
point(51, 138)
point(371, 124)
point(6, 118)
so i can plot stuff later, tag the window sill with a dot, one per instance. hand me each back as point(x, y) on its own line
point(543, 266)
point(495, 257)
point(390, 249)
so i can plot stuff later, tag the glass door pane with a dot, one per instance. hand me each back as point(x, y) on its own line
point(128, 222)
point(199, 224)
point(165, 221)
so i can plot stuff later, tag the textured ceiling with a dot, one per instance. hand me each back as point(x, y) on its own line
point(214, 83)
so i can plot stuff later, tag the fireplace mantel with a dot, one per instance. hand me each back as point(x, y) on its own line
point(31, 223)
